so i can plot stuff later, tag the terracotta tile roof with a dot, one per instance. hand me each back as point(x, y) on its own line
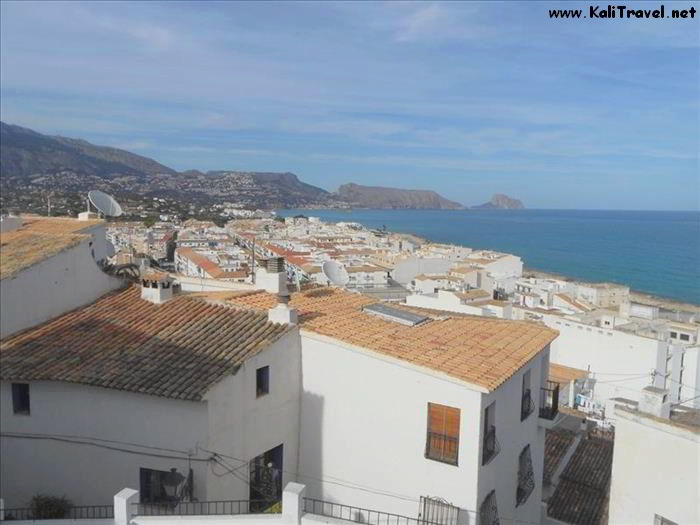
point(565, 374)
point(557, 441)
point(177, 349)
point(38, 239)
point(572, 302)
point(365, 268)
point(463, 270)
point(473, 294)
point(206, 264)
point(582, 494)
point(478, 350)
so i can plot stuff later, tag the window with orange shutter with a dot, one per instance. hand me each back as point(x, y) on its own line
point(442, 441)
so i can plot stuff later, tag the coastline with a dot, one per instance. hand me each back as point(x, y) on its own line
point(638, 292)
point(635, 295)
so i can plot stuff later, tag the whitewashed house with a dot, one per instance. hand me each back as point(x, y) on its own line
point(48, 267)
point(656, 463)
point(120, 392)
point(396, 401)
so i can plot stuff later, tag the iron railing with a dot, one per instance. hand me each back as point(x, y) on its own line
point(442, 447)
point(207, 508)
point(526, 405)
point(438, 510)
point(81, 512)
point(491, 446)
point(549, 400)
point(359, 514)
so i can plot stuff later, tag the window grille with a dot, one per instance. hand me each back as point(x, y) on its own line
point(442, 441)
point(526, 477)
point(488, 511)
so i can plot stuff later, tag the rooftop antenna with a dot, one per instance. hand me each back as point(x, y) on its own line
point(336, 273)
point(104, 203)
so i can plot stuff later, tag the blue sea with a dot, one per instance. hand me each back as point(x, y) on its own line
point(655, 252)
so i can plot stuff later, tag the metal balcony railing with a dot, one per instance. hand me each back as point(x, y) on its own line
point(359, 514)
point(72, 513)
point(206, 508)
point(491, 446)
point(549, 400)
point(526, 405)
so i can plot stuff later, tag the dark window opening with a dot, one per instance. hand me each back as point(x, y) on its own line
point(20, 398)
point(162, 486)
point(685, 337)
point(491, 447)
point(442, 442)
point(526, 404)
point(526, 477)
point(488, 510)
point(262, 381)
point(265, 484)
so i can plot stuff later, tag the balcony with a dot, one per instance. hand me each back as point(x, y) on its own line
point(549, 401)
point(526, 405)
point(491, 446)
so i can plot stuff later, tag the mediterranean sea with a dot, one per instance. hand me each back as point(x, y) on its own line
point(654, 252)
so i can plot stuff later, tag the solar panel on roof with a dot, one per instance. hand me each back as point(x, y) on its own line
point(394, 314)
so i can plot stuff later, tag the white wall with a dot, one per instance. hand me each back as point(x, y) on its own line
point(244, 426)
point(87, 474)
point(666, 482)
point(501, 473)
point(364, 423)
point(446, 300)
point(54, 286)
point(612, 356)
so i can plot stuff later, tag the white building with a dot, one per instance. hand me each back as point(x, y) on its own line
point(656, 464)
point(425, 410)
point(49, 266)
point(603, 295)
point(120, 392)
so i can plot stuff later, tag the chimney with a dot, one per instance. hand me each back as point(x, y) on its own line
point(156, 287)
point(655, 401)
point(272, 277)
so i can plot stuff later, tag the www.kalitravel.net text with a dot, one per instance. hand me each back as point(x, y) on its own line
point(623, 12)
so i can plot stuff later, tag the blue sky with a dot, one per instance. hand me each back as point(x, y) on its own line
point(468, 99)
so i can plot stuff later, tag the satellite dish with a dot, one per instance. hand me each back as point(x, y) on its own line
point(104, 203)
point(336, 273)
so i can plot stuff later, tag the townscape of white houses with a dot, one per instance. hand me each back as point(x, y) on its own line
point(223, 368)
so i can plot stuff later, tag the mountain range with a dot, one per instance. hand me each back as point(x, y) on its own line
point(33, 164)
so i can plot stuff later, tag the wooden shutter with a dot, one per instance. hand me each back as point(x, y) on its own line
point(443, 433)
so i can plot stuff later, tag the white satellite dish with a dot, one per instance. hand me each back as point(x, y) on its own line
point(104, 203)
point(336, 273)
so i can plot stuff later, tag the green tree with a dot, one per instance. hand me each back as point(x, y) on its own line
point(149, 221)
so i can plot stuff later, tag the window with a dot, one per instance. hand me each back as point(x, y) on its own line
point(526, 405)
point(442, 442)
point(161, 486)
point(262, 381)
point(20, 398)
point(488, 511)
point(526, 477)
point(685, 337)
point(674, 335)
point(490, 448)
